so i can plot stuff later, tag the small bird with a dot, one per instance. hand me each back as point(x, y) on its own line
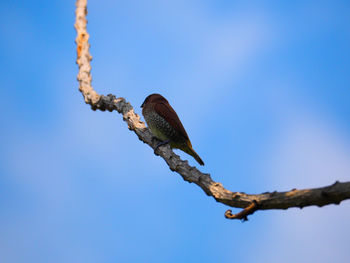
point(166, 125)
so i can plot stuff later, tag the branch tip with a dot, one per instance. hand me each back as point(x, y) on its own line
point(243, 215)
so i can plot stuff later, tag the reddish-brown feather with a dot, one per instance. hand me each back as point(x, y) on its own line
point(164, 109)
point(156, 103)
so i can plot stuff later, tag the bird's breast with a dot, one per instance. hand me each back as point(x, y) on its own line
point(158, 125)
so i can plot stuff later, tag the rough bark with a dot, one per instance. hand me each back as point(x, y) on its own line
point(332, 194)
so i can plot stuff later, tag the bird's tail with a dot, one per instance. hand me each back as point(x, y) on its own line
point(191, 152)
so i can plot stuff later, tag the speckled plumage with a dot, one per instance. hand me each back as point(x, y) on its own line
point(166, 125)
point(160, 127)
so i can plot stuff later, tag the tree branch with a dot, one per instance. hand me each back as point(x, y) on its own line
point(332, 194)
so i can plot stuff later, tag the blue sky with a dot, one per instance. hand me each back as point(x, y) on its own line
point(261, 88)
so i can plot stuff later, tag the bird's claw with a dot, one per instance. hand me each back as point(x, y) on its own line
point(160, 144)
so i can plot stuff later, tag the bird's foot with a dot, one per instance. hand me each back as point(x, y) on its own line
point(160, 144)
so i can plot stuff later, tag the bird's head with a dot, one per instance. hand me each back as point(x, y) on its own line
point(154, 98)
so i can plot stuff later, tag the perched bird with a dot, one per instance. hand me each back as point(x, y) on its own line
point(166, 125)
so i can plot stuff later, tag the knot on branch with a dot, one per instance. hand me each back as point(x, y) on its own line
point(243, 215)
point(104, 103)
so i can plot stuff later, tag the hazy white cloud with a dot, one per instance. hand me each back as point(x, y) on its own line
point(309, 153)
point(210, 50)
point(224, 54)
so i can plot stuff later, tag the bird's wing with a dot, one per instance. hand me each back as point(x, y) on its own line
point(168, 113)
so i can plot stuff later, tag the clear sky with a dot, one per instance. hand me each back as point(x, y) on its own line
point(263, 90)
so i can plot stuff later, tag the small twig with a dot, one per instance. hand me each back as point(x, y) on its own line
point(243, 215)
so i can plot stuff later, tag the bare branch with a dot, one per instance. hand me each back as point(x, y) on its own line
point(332, 194)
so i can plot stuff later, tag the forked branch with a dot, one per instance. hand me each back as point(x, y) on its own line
point(250, 203)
